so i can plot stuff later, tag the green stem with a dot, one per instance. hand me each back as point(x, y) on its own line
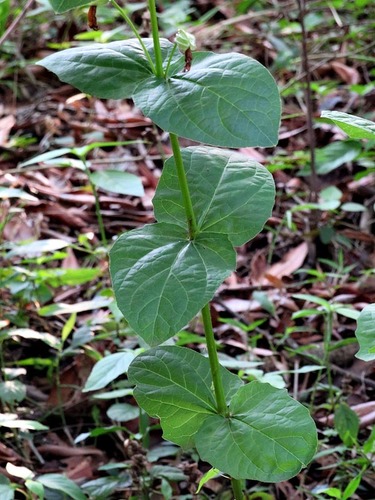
point(237, 489)
point(156, 39)
point(170, 60)
point(144, 424)
point(327, 344)
point(206, 315)
point(193, 230)
point(214, 361)
point(135, 31)
point(97, 203)
point(186, 198)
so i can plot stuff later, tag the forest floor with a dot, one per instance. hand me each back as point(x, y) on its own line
point(57, 315)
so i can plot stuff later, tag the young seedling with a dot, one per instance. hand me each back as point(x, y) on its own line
point(208, 201)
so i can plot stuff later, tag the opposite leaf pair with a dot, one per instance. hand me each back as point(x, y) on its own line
point(266, 436)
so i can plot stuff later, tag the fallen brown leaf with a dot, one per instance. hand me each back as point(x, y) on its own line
point(291, 261)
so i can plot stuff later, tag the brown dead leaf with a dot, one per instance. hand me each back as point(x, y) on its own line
point(6, 125)
point(365, 412)
point(291, 261)
point(22, 227)
point(70, 261)
point(71, 379)
point(60, 450)
point(79, 468)
point(8, 455)
point(258, 267)
point(71, 217)
point(346, 73)
point(253, 154)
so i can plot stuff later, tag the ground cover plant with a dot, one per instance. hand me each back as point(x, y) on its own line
point(62, 330)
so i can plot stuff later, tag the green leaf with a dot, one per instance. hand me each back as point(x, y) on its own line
point(65, 5)
point(268, 437)
point(118, 182)
point(348, 312)
point(103, 487)
point(346, 424)
point(108, 369)
point(7, 192)
point(109, 71)
point(122, 412)
point(227, 100)
point(59, 277)
point(175, 384)
point(369, 444)
point(12, 391)
point(5, 6)
point(43, 157)
point(353, 207)
point(36, 488)
point(117, 393)
point(332, 492)
point(336, 154)
point(365, 333)
point(37, 247)
point(207, 477)
point(169, 472)
point(352, 487)
point(354, 126)
point(27, 333)
point(62, 483)
point(164, 450)
point(31, 425)
point(314, 299)
point(166, 489)
point(86, 305)
point(162, 279)
point(231, 194)
point(7, 492)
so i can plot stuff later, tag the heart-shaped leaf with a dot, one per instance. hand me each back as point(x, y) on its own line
point(109, 71)
point(269, 436)
point(227, 100)
point(175, 384)
point(161, 279)
point(365, 333)
point(231, 194)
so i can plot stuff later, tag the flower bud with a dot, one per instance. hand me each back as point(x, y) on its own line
point(185, 40)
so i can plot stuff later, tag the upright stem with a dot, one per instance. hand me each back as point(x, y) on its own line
point(214, 361)
point(309, 110)
point(135, 31)
point(193, 230)
point(190, 216)
point(98, 212)
point(206, 315)
point(237, 489)
point(327, 344)
point(156, 39)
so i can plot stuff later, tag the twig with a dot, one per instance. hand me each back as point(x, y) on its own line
point(13, 25)
point(326, 60)
point(309, 110)
point(353, 376)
